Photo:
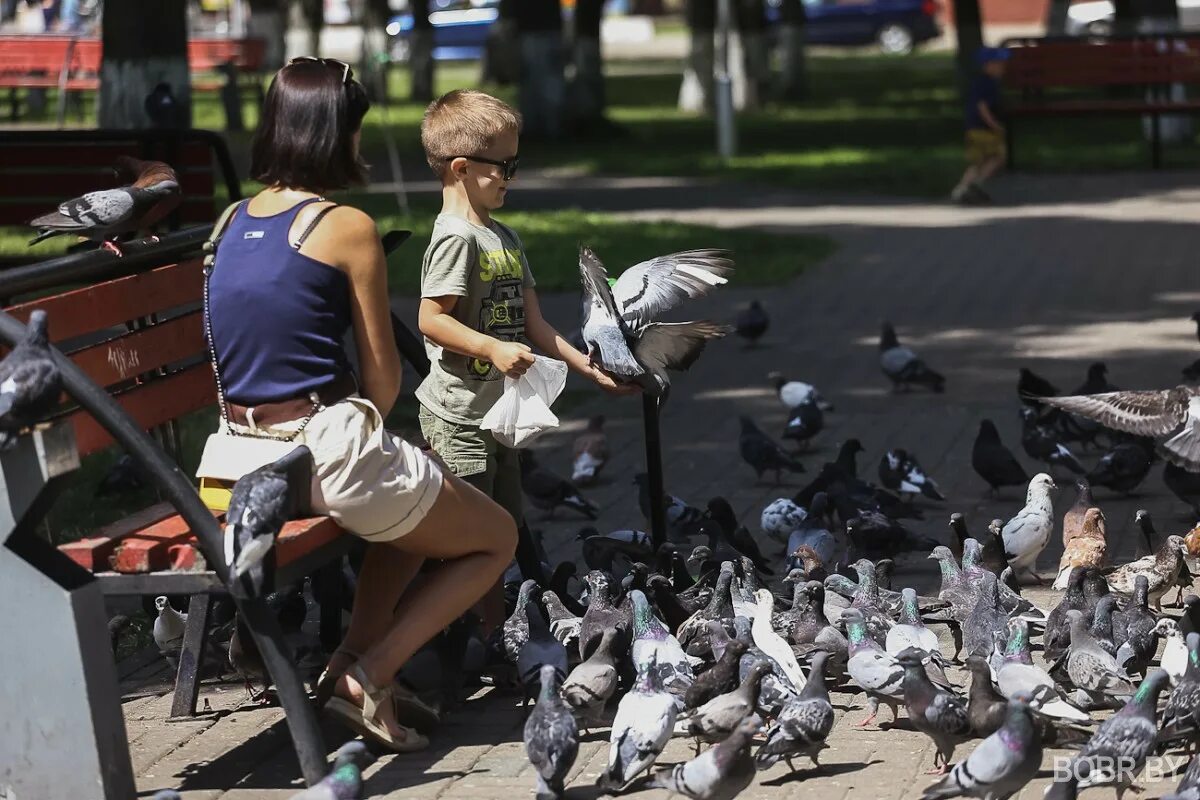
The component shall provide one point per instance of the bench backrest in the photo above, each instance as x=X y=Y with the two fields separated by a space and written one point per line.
x=1122 y=62
x=25 y=53
x=40 y=169
x=142 y=338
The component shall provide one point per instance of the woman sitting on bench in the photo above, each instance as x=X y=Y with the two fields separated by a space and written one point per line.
x=293 y=273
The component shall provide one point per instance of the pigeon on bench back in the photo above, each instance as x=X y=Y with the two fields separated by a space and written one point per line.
x=30 y=383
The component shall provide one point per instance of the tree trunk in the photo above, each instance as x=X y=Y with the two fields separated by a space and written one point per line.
x=792 y=79
x=1124 y=16
x=268 y=21
x=1056 y=17
x=542 y=90
x=968 y=24
x=372 y=72
x=420 y=52
x=750 y=18
x=314 y=20
x=145 y=44
x=587 y=88
x=696 y=91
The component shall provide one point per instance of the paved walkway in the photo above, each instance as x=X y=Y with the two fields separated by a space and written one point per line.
x=1085 y=268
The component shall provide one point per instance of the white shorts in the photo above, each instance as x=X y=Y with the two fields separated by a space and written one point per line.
x=372 y=482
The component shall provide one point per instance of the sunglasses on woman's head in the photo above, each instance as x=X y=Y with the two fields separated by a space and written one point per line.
x=347 y=72
x=508 y=167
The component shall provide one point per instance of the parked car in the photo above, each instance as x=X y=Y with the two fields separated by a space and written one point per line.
x=897 y=26
x=1095 y=18
x=460 y=29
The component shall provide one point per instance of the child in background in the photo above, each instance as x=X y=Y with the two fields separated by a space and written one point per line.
x=986 y=152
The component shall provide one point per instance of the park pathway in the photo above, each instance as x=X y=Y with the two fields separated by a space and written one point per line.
x=1084 y=268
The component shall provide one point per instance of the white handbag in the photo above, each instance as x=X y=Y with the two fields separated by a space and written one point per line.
x=228 y=455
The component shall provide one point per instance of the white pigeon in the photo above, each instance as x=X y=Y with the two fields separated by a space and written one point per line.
x=795 y=393
x=169 y=626
x=1175 y=652
x=1026 y=534
x=771 y=643
x=640 y=730
x=781 y=517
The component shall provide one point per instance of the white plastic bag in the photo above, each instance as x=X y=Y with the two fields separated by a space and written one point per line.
x=523 y=412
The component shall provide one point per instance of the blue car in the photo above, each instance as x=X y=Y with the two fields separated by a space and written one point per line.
x=460 y=29
x=897 y=26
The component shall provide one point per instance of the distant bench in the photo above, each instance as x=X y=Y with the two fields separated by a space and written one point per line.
x=72 y=63
x=1060 y=76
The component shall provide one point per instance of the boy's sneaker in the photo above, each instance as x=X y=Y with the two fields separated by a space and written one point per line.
x=978 y=196
x=959 y=195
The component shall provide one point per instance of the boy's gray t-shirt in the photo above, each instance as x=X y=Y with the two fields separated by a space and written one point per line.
x=487 y=269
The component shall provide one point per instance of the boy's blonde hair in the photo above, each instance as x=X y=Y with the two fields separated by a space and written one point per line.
x=464 y=122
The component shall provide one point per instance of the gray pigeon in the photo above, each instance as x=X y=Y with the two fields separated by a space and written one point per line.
x=262 y=501
x=720 y=716
x=641 y=729
x=515 y=631
x=803 y=724
x=593 y=682
x=1026 y=534
x=619 y=323
x=540 y=650
x=1117 y=750
x=902 y=366
x=601 y=614
x=105 y=214
x=1000 y=766
x=344 y=781
x=935 y=712
x=986 y=619
x=1189 y=785
x=167 y=794
x=30 y=383
x=721 y=773
x=1089 y=666
x=763 y=453
x=1018 y=676
x=1181 y=714
x=878 y=673
x=654 y=644
x=551 y=737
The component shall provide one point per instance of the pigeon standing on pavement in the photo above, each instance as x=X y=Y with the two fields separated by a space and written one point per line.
x=1088 y=665
x=900 y=471
x=1031 y=386
x=640 y=730
x=1000 y=766
x=752 y=322
x=593 y=682
x=591 y=452
x=1123 y=468
x=1088 y=549
x=993 y=461
x=803 y=724
x=547 y=491
x=344 y=781
x=105 y=214
x=804 y=422
x=1026 y=534
x=764 y=454
x=168 y=631
x=902 y=366
x=721 y=773
x=1161 y=570
x=878 y=673
x=30 y=383
x=938 y=714
x=262 y=501
x=1041 y=443
x=794 y=393
x=619 y=326
x=551 y=737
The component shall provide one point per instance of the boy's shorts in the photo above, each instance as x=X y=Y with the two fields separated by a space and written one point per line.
x=984 y=144
x=474 y=455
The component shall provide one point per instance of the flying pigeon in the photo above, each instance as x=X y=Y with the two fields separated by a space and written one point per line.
x=762 y=453
x=262 y=501
x=993 y=461
x=717 y=774
x=619 y=322
x=591 y=452
x=902 y=366
x=803 y=724
x=900 y=471
x=344 y=781
x=551 y=737
x=105 y=214
x=640 y=730
x=1041 y=443
x=752 y=322
x=30 y=383
x=547 y=491
x=1000 y=766
x=1026 y=534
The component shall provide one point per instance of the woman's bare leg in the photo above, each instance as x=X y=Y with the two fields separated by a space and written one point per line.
x=386 y=573
x=475 y=539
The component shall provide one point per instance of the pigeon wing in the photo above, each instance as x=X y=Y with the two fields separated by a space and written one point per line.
x=1139 y=413
x=102 y=209
x=595 y=282
x=647 y=290
x=675 y=345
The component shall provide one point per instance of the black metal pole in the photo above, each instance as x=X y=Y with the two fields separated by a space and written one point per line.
x=654 y=471
x=178 y=490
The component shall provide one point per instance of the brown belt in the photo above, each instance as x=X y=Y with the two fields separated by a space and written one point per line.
x=296 y=408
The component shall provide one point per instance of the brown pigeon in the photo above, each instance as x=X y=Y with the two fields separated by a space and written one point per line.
x=1087 y=549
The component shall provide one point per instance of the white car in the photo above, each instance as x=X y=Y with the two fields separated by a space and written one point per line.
x=1096 y=16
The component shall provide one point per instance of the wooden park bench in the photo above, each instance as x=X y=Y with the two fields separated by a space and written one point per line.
x=40 y=169
x=140 y=336
x=1120 y=76
x=72 y=63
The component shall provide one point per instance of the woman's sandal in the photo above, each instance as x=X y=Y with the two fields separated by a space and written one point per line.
x=410 y=709
x=365 y=720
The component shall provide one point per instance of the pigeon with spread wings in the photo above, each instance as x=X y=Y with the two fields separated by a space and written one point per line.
x=619 y=327
x=1174 y=412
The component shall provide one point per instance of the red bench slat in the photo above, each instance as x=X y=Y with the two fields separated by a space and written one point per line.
x=139 y=352
x=92 y=553
x=148 y=549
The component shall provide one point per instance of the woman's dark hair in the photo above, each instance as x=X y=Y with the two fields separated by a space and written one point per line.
x=306 y=136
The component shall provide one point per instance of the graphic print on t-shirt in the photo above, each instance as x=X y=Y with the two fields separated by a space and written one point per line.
x=502 y=312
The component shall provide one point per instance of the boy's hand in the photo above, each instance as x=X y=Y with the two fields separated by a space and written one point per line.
x=511 y=358
x=612 y=386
